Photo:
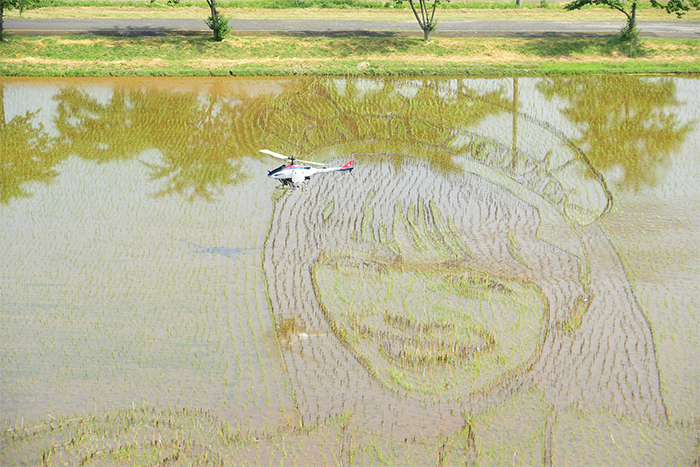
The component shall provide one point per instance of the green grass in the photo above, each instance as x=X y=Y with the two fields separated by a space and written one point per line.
x=253 y=56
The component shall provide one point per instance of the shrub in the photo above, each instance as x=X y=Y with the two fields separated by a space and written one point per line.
x=220 y=25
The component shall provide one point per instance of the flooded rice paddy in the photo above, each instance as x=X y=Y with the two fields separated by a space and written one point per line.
x=509 y=276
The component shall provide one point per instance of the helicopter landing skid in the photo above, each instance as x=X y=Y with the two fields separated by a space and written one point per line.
x=291 y=190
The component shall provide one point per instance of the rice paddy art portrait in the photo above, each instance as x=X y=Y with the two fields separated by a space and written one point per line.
x=507 y=276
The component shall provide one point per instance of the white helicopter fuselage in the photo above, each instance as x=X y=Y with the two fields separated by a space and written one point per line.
x=297 y=174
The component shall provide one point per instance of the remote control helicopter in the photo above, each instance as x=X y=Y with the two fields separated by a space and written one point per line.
x=295 y=172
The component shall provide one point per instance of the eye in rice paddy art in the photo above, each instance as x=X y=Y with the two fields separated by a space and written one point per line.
x=461 y=297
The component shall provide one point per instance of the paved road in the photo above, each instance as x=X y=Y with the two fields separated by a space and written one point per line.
x=338 y=28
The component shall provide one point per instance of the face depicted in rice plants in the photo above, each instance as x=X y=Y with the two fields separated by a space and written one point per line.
x=417 y=293
x=453 y=276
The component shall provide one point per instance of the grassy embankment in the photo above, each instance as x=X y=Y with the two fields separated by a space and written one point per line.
x=245 y=55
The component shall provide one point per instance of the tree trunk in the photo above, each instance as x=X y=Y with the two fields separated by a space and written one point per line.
x=424 y=21
x=212 y=7
x=632 y=32
x=214 y=19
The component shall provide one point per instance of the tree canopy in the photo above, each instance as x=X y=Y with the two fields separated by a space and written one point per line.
x=629 y=9
x=20 y=5
x=679 y=7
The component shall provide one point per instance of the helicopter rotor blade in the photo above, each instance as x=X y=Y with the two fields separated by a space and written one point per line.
x=288 y=158
x=275 y=154
x=309 y=162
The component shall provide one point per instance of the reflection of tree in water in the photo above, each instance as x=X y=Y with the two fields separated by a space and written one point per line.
x=25 y=154
x=625 y=122
x=420 y=112
x=199 y=154
x=594 y=349
x=201 y=137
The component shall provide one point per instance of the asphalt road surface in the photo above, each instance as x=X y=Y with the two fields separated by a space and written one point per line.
x=346 y=28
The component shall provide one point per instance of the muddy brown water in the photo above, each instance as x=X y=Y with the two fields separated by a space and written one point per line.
x=508 y=276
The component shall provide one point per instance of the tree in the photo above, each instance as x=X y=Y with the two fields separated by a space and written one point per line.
x=21 y=5
x=679 y=7
x=217 y=22
x=629 y=32
x=426 y=18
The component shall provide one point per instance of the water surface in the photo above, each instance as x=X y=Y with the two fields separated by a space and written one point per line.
x=509 y=276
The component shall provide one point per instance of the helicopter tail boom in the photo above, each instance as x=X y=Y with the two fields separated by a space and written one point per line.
x=346 y=168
